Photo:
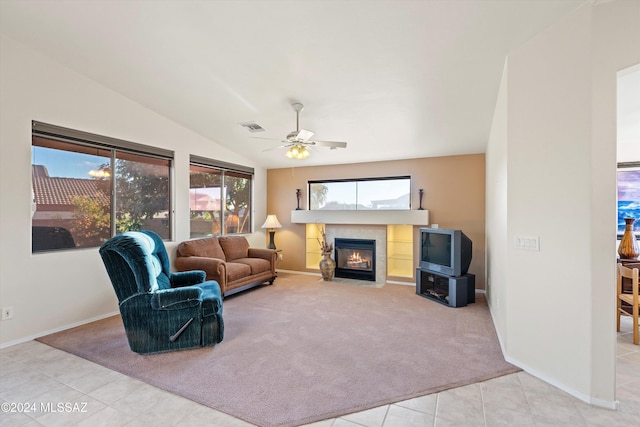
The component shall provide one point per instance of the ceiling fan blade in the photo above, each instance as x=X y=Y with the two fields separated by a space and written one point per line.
x=332 y=144
x=301 y=135
x=289 y=144
x=304 y=135
x=268 y=139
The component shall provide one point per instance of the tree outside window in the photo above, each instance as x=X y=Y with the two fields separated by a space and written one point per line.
x=209 y=186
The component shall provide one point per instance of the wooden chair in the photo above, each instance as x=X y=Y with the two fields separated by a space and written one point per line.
x=632 y=299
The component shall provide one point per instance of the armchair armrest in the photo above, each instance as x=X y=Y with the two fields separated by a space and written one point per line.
x=176 y=299
x=186 y=278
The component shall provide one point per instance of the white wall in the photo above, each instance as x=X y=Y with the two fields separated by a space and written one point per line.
x=53 y=290
x=628 y=105
x=549 y=113
x=560 y=165
x=496 y=208
x=615 y=46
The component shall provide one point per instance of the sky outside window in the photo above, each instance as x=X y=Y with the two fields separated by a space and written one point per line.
x=65 y=164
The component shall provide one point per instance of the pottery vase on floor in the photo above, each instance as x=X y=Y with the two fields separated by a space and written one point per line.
x=628 y=248
x=327 y=266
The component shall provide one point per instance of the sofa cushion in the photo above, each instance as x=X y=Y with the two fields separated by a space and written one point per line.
x=208 y=247
x=234 y=247
x=257 y=265
x=236 y=270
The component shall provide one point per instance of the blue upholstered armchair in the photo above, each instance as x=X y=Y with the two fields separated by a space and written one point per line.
x=161 y=311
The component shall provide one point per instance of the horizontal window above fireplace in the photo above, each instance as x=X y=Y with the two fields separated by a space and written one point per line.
x=390 y=193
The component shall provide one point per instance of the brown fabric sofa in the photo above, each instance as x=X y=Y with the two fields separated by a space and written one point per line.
x=229 y=261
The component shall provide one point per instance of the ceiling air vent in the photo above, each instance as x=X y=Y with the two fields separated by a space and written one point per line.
x=252 y=127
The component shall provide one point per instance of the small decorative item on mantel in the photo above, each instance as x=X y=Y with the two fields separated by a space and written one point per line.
x=327 y=264
x=421 y=194
x=628 y=248
x=298 y=195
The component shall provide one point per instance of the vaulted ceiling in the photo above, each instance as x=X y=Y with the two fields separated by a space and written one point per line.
x=395 y=79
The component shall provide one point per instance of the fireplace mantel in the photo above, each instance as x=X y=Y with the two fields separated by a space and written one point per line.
x=377 y=217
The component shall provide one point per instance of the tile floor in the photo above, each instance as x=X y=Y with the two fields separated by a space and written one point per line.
x=34 y=375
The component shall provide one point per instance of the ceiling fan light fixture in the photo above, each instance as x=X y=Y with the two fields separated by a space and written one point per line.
x=298 y=152
x=298 y=140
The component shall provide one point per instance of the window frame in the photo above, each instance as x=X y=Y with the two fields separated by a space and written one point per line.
x=356 y=181
x=622 y=167
x=117 y=149
x=224 y=168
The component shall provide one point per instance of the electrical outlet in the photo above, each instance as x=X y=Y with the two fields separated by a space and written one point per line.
x=7 y=313
x=280 y=257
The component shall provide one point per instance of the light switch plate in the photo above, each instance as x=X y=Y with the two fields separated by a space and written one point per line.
x=527 y=243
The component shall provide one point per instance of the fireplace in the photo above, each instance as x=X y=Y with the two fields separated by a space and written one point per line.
x=355 y=259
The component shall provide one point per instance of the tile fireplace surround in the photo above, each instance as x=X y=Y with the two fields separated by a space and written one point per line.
x=374 y=232
x=366 y=224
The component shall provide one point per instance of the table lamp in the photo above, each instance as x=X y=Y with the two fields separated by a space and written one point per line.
x=271 y=223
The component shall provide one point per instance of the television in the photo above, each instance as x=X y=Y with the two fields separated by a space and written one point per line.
x=447 y=252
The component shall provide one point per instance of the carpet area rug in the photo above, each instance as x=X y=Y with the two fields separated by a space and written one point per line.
x=303 y=350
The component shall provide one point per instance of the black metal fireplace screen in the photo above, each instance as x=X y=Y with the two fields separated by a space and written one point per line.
x=355 y=259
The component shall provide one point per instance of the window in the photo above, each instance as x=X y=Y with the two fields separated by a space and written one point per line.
x=393 y=193
x=210 y=183
x=628 y=195
x=87 y=188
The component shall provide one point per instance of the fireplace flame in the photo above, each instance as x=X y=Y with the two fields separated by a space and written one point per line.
x=356 y=261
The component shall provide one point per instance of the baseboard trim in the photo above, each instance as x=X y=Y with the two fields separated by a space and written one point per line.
x=493 y=319
x=58 y=329
x=607 y=404
x=397 y=282
x=305 y=273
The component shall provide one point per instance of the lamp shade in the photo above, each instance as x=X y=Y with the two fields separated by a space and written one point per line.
x=272 y=222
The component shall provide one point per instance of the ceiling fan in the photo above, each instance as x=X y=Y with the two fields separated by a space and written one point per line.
x=298 y=140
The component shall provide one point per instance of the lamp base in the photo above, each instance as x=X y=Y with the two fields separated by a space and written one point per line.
x=271 y=245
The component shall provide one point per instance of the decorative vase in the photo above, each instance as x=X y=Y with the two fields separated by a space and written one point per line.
x=327 y=266
x=628 y=248
x=421 y=194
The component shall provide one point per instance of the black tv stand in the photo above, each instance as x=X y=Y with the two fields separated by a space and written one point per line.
x=448 y=290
